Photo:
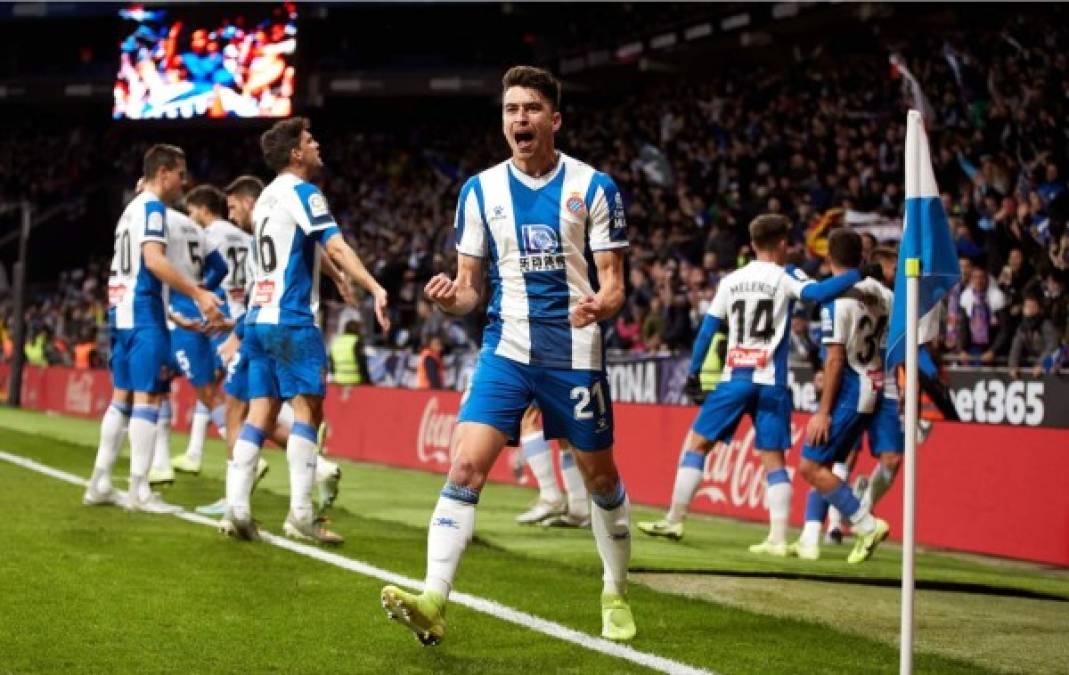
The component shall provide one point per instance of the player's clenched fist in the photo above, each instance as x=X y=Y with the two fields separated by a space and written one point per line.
x=441 y=290
x=586 y=311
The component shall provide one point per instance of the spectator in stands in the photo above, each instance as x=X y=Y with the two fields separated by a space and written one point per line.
x=85 y=351
x=803 y=351
x=430 y=371
x=348 y=365
x=1034 y=341
x=1014 y=277
x=953 y=333
x=983 y=318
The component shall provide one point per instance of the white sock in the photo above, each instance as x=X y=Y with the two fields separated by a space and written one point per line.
x=688 y=478
x=241 y=472
x=161 y=454
x=880 y=482
x=778 y=499
x=862 y=522
x=610 y=520
x=142 y=445
x=218 y=415
x=540 y=459
x=810 y=533
x=835 y=517
x=452 y=525
x=301 y=455
x=112 y=426
x=578 y=497
x=198 y=429
x=286 y=415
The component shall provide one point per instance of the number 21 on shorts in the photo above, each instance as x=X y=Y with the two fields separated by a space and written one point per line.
x=583 y=396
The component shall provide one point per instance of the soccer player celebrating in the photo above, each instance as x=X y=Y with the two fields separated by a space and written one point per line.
x=854 y=325
x=283 y=345
x=532 y=221
x=140 y=343
x=756 y=301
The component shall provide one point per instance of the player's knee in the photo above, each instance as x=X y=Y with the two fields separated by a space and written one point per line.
x=466 y=473
x=809 y=469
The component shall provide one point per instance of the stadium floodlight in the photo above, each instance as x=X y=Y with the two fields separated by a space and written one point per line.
x=784 y=10
x=664 y=41
x=735 y=21
x=698 y=31
x=629 y=51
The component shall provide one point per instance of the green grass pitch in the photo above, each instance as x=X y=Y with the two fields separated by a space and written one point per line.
x=101 y=590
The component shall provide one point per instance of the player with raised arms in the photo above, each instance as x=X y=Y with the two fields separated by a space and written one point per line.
x=544 y=227
x=283 y=344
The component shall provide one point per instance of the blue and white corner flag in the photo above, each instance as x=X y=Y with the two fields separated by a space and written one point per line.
x=926 y=237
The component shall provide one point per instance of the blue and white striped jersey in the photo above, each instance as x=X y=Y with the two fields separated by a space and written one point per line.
x=291 y=219
x=187 y=249
x=538 y=236
x=135 y=296
x=857 y=320
x=233 y=244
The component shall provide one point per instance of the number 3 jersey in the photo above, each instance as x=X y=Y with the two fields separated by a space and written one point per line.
x=857 y=320
x=290 y=220
x=135 y=295
x=756 y=302
x=538 y=236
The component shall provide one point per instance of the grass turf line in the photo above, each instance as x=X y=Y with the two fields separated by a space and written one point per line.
x=153 y=555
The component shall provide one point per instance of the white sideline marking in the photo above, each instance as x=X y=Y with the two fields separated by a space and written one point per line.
x=476 y=603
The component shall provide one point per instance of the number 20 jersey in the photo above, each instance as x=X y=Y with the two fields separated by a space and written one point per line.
x=135 y=295
x=756 y=302
x=290 y=220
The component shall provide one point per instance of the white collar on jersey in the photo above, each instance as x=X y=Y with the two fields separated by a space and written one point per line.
x=539 y=182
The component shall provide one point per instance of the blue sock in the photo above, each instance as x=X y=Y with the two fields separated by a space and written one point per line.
x=842 y=498
x=816 y=508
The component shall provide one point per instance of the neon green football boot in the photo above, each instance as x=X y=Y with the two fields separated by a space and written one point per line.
x=617 y=622
x=866 y=543
x=662 y=528
x=423 y=614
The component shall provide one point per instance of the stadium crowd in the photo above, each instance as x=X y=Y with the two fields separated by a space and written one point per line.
x=696 y=160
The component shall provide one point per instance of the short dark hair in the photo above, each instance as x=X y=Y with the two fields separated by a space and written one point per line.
x=844 y=247
x=161 y=156
x=278 y=142
x=538 y=79
x=881 y=253
x=245 y=186
x=767 y=229
x=208 y=196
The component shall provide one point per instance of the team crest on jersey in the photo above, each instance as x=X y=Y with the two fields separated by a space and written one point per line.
x=155 y=222
x=317 y=204
x=540 y=239
x=575 y=205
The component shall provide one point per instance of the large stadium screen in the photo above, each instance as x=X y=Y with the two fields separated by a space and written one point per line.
x=206 y=61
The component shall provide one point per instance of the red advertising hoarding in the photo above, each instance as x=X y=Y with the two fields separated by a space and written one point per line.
x=977 y=485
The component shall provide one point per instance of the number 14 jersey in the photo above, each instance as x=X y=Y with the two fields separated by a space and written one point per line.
x=756 y=302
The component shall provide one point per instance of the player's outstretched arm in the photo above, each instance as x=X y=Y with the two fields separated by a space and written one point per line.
x=610 y=296
x=348 y=262
x=829 y=289
x=156 y=261
x=461 y=295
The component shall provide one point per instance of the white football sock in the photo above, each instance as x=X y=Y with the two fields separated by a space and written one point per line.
x=142 y=446
x=835 y=517
x=286 y=415
x=688 y=478
x=862 y=522
x=578 y=497
x=301 y=455
x=112 y=426
x=198 y=429
x=810 y=533
x=540 y=459
x=241 y=472
x=452 y=525
x=219 y=419
x=880 y=482
x=610 y=520
x=778 y=499
x=161 y=454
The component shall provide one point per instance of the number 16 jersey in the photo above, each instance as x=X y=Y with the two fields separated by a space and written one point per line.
x=756 y=302
x=290 y=220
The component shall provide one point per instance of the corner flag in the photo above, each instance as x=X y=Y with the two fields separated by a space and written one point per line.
x=926 y=238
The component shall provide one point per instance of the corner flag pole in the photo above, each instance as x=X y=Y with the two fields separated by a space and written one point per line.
x=909 y=498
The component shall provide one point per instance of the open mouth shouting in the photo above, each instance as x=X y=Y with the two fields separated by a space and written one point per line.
x=524 y=139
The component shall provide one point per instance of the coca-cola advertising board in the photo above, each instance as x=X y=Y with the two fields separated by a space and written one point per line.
x=983 y=488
